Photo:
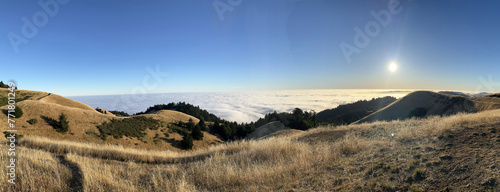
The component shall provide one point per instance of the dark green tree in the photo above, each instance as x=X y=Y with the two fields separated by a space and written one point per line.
x=302 y=120
x=202 y=125
x=63 y=125
x=187 y=142
x=2 y=85
x=190 y=125
x=196 y=133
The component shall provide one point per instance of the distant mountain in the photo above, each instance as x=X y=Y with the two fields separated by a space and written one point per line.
x=426 y=103
x=349 y=113
x=481 y=94
x=454 y=93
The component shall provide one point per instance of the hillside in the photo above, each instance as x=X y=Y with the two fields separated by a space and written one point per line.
x=426 y=103
x=83 y=122
x=267 y=129
x=452 y=153
x=349 y=113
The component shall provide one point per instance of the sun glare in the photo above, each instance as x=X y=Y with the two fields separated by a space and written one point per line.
x=393 y=67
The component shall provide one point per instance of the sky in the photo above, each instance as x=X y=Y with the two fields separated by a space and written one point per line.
x=97 y=47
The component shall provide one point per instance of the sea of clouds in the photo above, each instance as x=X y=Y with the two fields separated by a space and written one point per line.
x=241 y=106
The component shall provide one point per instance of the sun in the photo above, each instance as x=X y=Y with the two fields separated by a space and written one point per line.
x=393 y=67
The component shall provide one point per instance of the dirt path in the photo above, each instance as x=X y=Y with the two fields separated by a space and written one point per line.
x=77 y=174
x=43 y=97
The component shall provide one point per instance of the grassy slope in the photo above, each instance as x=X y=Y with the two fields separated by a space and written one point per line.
x=457 y=152
x=434 y=103
x=83 y=120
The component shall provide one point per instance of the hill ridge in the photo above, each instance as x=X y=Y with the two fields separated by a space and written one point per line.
x=428 y=103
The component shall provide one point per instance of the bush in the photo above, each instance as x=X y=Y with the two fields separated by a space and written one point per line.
x=418 y=112
x=120 y=113
x=196 y=133
x=18 y=112
x=3 y=85
x=302 y=120
x=190 y=125
x=130 y=127
x=187 y=142
x=63 y=124
x=17 y=136
x=202 y=125
x=33 y=121
x=100 y=110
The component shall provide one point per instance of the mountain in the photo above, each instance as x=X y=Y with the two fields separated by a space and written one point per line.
x=348 y=113
x=84 y=121
x=426 y=103
x=267 y=129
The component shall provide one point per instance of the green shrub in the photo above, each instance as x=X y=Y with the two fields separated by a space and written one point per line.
x=120 y=113
x=179 y=128
x=190 y=125
x=33 y=121
x=130 y=127
x=17 y=136
x=63 y=124
x=100 y=110
x=3 y=85
x=196 y=133
x=187 y=142
x=18 y=112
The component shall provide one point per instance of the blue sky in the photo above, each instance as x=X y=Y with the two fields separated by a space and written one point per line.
x=98 y=47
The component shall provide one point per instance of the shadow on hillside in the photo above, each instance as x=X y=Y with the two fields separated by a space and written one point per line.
x=6 y=112
x=172 y=142
x=50 y=121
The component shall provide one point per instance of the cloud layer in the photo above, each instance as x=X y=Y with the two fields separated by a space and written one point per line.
x=241 y=106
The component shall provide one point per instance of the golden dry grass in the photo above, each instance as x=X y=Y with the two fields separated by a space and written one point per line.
x=84 y=119
x=120 y=153
x=36 y=171
x=80 y=121
x=24 y=94
x=171 y=116
x=366 y=157
x=60 y=100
